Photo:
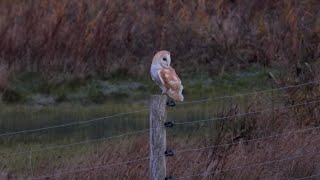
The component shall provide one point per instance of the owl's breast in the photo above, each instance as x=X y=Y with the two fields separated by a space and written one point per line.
x=154 y=71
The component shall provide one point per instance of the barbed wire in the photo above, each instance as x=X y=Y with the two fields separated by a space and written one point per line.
x=243 y=114
x=250 y=93
x=71 y=124
x=250 y=165
x=92 y=168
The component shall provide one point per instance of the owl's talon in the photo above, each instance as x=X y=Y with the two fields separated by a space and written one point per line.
x=171 y=103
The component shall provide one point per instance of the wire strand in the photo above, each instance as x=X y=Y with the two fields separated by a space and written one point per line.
x=247 y=141
x=146 y=158
x=308 y=177
x=77 y=143
x=141 y=131
x=92 y=168
x=250 y=165
x=250 y=93
x=127 y=113
x=70 y=124
x=185 y=150
x=243 y=114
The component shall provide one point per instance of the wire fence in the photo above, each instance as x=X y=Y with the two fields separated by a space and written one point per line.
x=251 y=165
x=184 y=150
x=78 y=143
x=147 y=130
x=146 y=109
x=93 y=168
x=199 y=149
x=71 y=124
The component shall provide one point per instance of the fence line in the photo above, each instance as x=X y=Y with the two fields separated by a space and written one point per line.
x=92 y=168
x=249 y=113
x=178 y=151
x=251 y=93
x=247 y=141
x=77 y=143
x=179 y=123
x=145 y=130
x=193 y=175
x=251 y=165
x=70 y=124
x=146 y=109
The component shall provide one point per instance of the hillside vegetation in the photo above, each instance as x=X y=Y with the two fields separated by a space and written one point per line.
x=95 y=38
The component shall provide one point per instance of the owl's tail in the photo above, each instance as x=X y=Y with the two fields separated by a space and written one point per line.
x=175 y=95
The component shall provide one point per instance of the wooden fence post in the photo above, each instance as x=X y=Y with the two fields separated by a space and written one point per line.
x=158 y=115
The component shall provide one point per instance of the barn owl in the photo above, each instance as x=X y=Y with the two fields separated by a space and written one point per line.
x=165 y=76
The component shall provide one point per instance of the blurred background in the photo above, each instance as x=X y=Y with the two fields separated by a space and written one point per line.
x=73 y=61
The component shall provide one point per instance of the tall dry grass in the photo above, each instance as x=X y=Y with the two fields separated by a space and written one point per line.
x=94 y=38
x=5 y=75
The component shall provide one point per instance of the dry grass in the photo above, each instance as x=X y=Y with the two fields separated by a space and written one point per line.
x=5 y=75
x=82 y=38
x=204 y=161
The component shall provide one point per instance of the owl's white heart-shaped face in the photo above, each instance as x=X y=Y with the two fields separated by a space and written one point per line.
x=162 y=58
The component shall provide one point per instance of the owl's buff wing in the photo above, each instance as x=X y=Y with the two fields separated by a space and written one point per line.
x=172 y=82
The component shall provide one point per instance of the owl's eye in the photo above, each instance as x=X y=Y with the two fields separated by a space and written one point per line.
x=165 y=59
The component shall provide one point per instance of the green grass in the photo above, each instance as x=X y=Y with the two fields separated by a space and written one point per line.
x=34 y=88
x=17 y=118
